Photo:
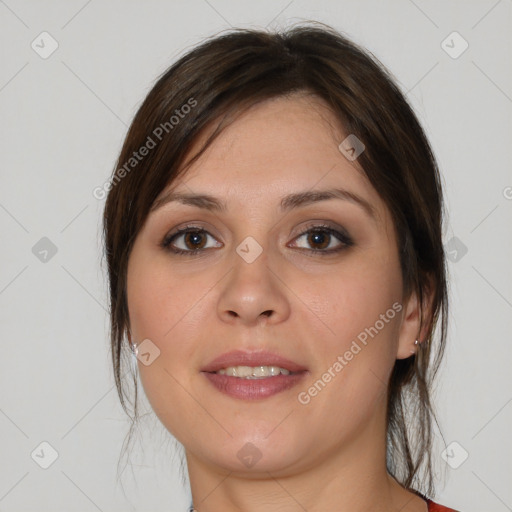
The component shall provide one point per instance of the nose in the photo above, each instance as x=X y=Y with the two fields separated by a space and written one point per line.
x=253 y=294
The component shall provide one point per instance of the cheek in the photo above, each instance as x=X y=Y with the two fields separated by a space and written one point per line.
x=160 y=302
x=351 y=298
x=354 y=329
x=165 y=309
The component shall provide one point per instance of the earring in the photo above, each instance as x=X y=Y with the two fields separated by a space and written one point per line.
x=416 y=342
x=133 y=349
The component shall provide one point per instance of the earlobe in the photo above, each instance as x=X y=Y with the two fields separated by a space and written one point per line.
x=412 y=334
x=416 y=343
x=130 y=344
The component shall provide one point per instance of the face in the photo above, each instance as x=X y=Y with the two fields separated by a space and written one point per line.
x=313 y=279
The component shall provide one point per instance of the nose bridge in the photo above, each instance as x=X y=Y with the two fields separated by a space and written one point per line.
x=252 y=289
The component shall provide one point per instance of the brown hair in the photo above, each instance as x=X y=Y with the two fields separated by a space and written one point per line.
x=231 y=72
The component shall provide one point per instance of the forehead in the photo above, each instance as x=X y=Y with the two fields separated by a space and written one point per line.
x=276 y=147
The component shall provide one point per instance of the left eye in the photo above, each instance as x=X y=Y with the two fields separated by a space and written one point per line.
x=325 y=239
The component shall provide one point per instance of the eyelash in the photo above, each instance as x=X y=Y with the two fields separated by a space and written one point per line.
x=345 y=240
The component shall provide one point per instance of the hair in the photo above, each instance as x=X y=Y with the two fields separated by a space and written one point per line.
x=223 y=77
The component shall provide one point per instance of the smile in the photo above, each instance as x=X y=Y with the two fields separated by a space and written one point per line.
x=253 y=375
x=253 y=372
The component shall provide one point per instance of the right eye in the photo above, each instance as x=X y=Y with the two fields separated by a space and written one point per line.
x=189 y=240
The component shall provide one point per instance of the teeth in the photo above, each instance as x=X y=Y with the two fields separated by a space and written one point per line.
x=253 y=372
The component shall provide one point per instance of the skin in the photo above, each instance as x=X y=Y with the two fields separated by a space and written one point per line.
x=330 y=453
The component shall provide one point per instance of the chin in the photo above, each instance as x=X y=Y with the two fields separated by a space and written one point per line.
x=252 y=455
x=253 y=462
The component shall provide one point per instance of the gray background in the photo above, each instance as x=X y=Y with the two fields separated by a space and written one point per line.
x=63 y=119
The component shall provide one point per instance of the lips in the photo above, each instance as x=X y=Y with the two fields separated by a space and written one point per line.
x=253 y=389
x=262 y=358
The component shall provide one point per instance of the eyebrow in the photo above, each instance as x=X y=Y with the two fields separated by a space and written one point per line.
x=289 y=202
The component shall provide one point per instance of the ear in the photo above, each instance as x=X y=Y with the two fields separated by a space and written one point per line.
x=410 y=329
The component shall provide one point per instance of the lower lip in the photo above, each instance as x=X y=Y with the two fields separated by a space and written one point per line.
x=253 y=389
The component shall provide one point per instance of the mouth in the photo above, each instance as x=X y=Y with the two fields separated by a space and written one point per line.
x=253 y=375
x=254 y=372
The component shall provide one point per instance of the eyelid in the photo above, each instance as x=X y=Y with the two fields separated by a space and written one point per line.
x=320 y=224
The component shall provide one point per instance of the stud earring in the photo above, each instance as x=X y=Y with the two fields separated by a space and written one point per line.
x=133 y=350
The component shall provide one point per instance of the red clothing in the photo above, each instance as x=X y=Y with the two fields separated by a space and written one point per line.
x=435 y=507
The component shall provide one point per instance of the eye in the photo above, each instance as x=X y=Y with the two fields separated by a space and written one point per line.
x=324 y=240
x=321 y=239
x=189 y=240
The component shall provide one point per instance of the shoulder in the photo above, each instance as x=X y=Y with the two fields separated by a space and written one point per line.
x=435 y=507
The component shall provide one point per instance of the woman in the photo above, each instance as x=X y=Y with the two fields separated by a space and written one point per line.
x=273 y=235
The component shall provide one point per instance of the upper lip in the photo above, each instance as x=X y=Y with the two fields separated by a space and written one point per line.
x=260 y=358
